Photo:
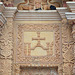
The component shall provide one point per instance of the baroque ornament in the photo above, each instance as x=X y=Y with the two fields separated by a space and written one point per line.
x=36 y=4
x=38 y=28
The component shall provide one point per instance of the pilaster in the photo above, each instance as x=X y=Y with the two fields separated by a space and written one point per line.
x=2 y=25
x=67 y=48
x=71 y=22
x=6 y=43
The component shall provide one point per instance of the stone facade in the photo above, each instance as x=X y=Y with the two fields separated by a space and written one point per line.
x=24 y=35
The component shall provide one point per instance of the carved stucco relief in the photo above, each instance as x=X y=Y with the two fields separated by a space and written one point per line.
x=67 y=48
x=72 y=24
x=42 y=60
x=6 y=48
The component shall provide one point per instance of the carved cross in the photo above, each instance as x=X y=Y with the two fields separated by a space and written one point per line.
x=38 y=38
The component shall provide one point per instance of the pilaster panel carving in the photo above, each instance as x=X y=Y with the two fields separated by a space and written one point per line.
x=72 y=23
x=6 y=40
x=67 y=48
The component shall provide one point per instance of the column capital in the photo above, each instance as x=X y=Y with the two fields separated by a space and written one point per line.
x=71 y=5
x=9 y=12
x=70 y=17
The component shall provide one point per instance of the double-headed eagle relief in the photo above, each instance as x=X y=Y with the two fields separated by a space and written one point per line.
x=37 y=5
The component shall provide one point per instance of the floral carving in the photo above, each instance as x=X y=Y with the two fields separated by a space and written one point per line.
x=67 y=48
x=6 y=46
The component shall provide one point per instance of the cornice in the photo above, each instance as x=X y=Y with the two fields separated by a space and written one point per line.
x=70 y=17
x=41 y=15
x=71 y=21
x=71 y=5
x=9 y=11
x=61 y=11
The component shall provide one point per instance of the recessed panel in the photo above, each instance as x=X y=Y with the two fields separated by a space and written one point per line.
x=39 y=71
x=39 y=43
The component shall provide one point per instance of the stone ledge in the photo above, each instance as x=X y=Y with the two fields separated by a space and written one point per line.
x=71 y=5
x=41 y=15
x=9 y=11
x=62 y=11
x=70 y=15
